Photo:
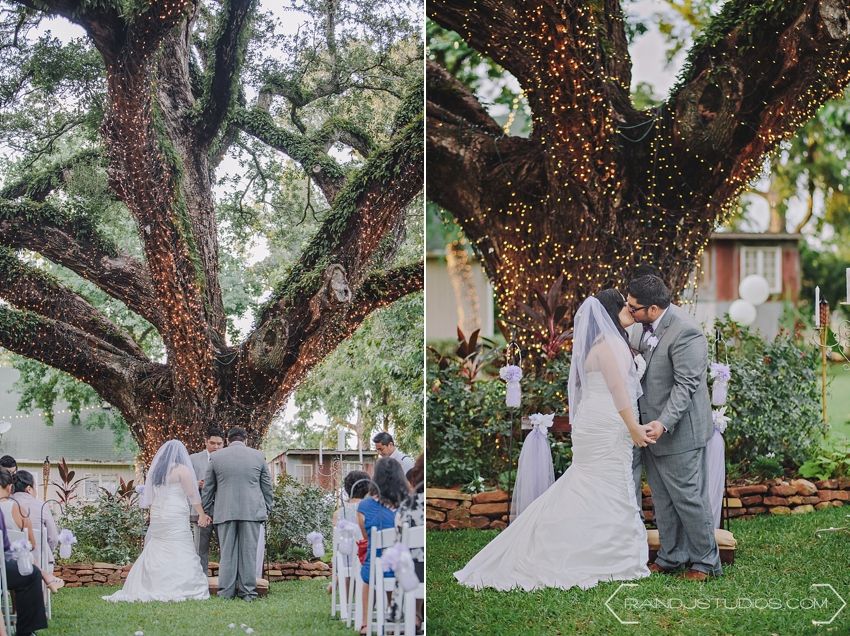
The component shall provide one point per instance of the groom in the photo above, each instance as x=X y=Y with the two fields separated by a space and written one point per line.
x=238 y=495
x=675 y=407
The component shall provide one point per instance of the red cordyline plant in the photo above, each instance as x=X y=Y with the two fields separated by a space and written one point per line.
x=550 y=316
x=67 y=488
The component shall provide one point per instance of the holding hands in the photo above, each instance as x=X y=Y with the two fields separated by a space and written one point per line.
x=642 y=436
x=204 y=520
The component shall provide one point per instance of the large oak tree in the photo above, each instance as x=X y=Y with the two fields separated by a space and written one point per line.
x=171 y=88
x=600 y=186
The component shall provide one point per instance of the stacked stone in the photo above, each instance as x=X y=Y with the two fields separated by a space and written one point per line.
x=776 y=497
x=297 y=570
x=449 y=509
x=89 y=574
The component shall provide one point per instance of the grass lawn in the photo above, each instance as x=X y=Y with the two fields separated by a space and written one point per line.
x=778 y=559
x=838 y=402
x=292 y=607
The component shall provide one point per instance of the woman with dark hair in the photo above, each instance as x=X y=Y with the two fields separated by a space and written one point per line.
x=41 y=519
x=411 y=513
x=356 y=487
x=386 y=492
x=586 y=527
x=27 y=587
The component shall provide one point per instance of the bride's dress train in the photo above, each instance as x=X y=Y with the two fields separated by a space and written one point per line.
x=168 y=568
x=586 y=527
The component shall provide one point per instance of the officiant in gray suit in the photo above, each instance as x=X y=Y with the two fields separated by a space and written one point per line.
x=213 y=441
x=675 y=406
x=238 y=495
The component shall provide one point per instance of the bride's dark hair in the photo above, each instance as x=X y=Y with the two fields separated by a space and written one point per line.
x=613 y=302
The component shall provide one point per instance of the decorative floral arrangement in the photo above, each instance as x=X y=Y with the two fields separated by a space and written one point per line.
x=398 y=558
x=316 y=540
x=542 y=422
x=720 y=419
x=346 y=544
x=721 y=374
x=512 y=374
x=22 y=549
x=66 y=543
x=652 y=342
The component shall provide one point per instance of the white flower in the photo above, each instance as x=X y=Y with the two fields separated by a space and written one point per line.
x=652 y=341
x=720 y=419
x=541 y=421
x=640 y=365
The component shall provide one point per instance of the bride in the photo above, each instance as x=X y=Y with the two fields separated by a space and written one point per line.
x=586 y=527
x=168 y=569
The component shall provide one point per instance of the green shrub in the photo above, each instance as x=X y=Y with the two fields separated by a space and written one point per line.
x=110 y=529
x=828 y=462
x=774 y=397
x=469 y=426
x=299 y=509
x=766 y=467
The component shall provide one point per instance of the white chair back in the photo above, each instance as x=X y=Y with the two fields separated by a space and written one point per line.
x=378 y=583
x=413 y=537
x=5 y=600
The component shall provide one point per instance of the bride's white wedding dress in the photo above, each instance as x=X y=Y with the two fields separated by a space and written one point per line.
x=168 y=568
x=586 y=527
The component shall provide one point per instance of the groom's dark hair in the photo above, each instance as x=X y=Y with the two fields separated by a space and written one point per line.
x=383 y=438
x=237 y=434
x=650 y=290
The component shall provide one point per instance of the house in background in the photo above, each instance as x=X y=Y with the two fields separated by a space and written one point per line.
x=303 y=464
x=459 y=293
x=93 y=454
x=730 y=257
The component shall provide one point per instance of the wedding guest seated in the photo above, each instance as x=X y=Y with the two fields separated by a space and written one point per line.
x=8 y=462
x=39 y=515
x=387 y=490
x=29 y=601
x=15 y=518
x=356 y=487
x=411 y=513
x=385 y=447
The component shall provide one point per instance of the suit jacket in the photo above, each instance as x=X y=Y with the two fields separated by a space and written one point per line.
x=675 y=385
x=200 y=463
x=237 y=485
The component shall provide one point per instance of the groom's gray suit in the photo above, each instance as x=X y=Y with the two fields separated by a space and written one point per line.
x=200 y=463
x=238 y=494
x=675 y=392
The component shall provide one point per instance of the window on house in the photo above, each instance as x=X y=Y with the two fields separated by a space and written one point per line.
x=304 y=473
x=764 y=261
x=347 y=467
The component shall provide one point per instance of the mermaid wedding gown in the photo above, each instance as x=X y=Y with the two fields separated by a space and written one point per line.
x=168 y=568
x=586 y=527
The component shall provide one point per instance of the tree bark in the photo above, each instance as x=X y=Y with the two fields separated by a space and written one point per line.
x=600 y=187
x=167 y=123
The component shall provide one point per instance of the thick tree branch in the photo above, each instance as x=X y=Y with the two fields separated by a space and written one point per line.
x=37 y=185
x=309 y=154
x=76 y=244
x=59 y=345
x=756 y=75
x=220 y=88
x=28 y=288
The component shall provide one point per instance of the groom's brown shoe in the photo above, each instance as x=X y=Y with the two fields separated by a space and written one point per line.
x=657 y=569
x=694 y=575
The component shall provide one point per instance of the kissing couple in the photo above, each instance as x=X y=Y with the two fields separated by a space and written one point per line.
x=587 y=526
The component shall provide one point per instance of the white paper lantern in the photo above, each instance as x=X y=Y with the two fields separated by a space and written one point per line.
x=742 y=312
x=754 y=289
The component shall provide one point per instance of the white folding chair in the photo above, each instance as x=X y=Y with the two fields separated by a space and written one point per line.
x=378 y=583
x=413 y=538
x=42 y=557
x=6 y=601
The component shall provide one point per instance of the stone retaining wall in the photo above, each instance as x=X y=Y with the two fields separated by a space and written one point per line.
x=450 y=509
x=90 y=574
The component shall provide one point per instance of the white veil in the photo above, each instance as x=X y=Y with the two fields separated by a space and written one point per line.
x=171 y=464
x=598 y=346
